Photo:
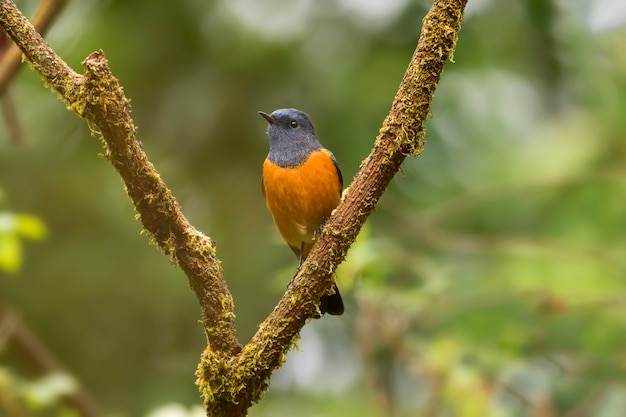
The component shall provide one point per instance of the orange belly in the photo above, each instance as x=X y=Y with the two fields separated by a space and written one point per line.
x=301 y=198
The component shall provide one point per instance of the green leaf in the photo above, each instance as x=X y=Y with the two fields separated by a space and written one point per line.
x=49 y=389
x=30 y=227
x=10 y=252
x=25 y=225
x=7 y=222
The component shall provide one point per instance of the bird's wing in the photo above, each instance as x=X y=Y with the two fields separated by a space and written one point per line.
x=338 y=170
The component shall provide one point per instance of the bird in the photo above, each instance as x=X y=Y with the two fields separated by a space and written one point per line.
x=302 y=184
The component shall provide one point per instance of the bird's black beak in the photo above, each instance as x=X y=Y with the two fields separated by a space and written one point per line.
x=268 y=117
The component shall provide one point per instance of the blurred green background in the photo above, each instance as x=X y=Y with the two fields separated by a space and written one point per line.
x=489 y=282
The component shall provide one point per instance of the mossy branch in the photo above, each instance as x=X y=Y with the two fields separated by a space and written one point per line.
x=232 y=377
x=401 y=135
x=97 y=97
x=12 y=59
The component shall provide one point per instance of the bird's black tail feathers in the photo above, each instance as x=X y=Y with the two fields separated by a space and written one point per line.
x=332 y=304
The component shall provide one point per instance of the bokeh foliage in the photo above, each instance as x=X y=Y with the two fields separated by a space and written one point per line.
x=489 y=282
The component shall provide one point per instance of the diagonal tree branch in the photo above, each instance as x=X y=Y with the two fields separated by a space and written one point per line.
x=401 y=135
x=232 y=377
x=11 y=60
x=28 y=344
x=97 y=97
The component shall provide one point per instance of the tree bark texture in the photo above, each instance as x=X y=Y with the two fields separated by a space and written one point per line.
x=231 y=377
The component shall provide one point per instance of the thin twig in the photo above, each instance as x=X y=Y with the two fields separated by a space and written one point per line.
x=38 y=355
x=12 y=120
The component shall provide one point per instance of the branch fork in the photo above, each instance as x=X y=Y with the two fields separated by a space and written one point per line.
x=231 y=377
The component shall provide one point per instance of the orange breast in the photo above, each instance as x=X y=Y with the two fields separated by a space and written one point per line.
x=300 y=198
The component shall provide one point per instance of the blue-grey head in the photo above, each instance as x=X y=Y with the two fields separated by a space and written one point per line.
x=292 y=137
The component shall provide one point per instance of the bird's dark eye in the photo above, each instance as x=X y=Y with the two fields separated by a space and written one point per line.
x=293 y=124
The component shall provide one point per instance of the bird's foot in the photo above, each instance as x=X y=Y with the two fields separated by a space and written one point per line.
x=294 y=276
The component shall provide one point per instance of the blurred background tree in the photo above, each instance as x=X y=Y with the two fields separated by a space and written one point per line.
x=490 y=281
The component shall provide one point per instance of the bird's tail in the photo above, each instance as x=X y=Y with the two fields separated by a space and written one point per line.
x=332 y=304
